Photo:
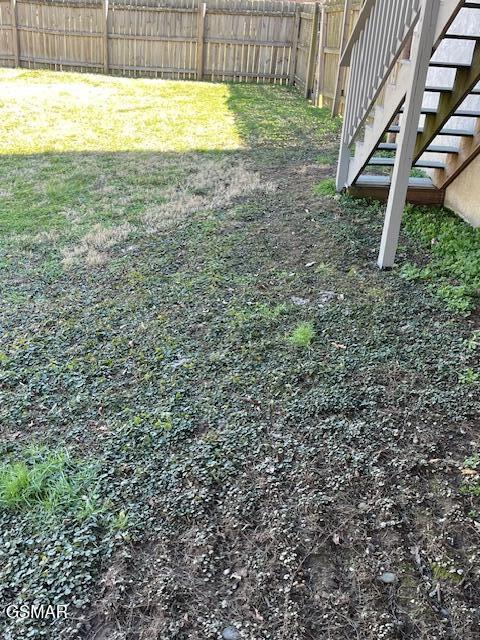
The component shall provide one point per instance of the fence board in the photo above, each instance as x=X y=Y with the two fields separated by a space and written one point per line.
x=328 y=55
x=239 y=40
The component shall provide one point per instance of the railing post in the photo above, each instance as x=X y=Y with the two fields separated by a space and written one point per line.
x=408 y=133
x=202 y=12
x=340 y=71
x=105 y=35
x=15 y=40
x=293 y=54
x=311 y=52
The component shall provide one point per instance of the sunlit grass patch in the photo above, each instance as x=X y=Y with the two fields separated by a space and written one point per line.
x=70 y=112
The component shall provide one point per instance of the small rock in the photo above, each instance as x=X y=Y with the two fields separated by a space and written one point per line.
x=326 y=296
x=300 y=302
x=388 y=578
x=230 y=633
x=179 y=363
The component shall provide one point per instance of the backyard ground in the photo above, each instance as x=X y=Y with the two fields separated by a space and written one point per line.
x=217 y=416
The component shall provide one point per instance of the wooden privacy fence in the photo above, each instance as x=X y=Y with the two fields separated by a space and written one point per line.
x=334 y=30
x=222 y=40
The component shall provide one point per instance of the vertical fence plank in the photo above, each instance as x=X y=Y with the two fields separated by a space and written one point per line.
x=340 y=71
x=311 y=53
x=201 y=14
x=293 y=54
x=15 y=40
x=318 y=97
x=105 y=34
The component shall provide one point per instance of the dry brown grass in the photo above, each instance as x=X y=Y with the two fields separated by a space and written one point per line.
x=93 y=248
x=207 y=184
x=213 y=184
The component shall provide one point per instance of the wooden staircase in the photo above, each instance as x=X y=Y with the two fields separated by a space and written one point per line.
x=408 y=124
x=454 y=155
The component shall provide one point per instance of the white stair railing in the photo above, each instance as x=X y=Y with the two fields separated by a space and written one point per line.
x=379 y=37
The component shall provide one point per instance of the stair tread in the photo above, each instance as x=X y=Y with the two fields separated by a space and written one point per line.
x=437 y=89
x=433 y=148
x=462 y=36
x=389 y=162
x=464 y=113
x=384 y=181
x=449 y=64
x=444 y=132
x=440 y=148
x=440 y=89
x=387 y=146
x=467 y=113
x=425 y=110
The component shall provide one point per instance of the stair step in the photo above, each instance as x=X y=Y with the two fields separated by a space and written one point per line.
x=384 y=181
x=467 y=133
x=449 y=64
x=421 y=164
x=462 y=36
x=466 y=113
x=433 y=148
x=440 y=148
x=425 y=110
x=387 y=146
x=438 y=89
x=462 y=133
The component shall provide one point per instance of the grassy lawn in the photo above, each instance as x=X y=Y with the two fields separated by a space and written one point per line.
x=214 y=410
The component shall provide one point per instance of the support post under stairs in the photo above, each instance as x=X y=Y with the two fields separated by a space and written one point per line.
x=420 y=58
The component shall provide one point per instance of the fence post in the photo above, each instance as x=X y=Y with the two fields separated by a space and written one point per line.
x=105 y=35
x=202 y=11
x=311 y=52
x=15 y=40
x=293 y=53
x=321 y=58
x=341 y=71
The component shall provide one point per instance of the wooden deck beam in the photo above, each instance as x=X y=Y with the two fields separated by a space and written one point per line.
x=419 y=191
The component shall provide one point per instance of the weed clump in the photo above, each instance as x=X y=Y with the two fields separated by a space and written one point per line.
x=48 y=483
x=326 y=188
x=302 y=335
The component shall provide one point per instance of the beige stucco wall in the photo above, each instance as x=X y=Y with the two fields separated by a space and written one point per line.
x=463 y=195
